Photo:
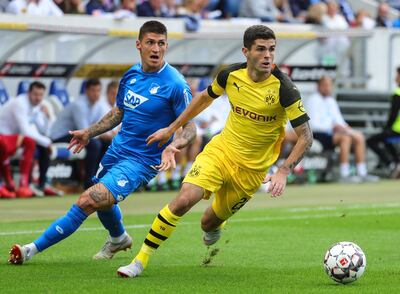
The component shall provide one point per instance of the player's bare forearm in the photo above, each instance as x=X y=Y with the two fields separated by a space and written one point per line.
x=112 y=119
x=200 y=102
x=303 y=144
x=185 y=137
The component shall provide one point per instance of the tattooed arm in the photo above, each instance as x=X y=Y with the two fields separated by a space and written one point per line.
x=80 y=138
x=182 y=138
x=304 y=142
x=112 y=119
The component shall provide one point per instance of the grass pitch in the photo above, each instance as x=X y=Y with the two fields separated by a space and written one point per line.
x=270 y=246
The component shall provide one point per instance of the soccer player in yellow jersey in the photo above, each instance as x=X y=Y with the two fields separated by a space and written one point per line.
x=234 y=163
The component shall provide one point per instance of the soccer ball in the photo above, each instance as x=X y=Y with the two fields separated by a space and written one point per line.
x=345 y=262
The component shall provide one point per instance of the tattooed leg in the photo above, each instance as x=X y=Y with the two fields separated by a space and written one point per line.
x=97 y=197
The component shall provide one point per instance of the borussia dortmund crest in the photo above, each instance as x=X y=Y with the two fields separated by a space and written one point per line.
x=195 y=171
x=300 y=106
x=270 y=99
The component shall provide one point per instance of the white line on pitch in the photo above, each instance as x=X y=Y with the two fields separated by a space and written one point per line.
x=243 y=220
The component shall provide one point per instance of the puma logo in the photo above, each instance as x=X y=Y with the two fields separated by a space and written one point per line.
x=237 y=86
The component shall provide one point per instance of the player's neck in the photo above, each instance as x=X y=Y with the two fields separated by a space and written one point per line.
x=257 y=76
x=151 y=69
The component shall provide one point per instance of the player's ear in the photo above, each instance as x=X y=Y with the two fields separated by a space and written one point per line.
x=245 y=51
x=138 y=45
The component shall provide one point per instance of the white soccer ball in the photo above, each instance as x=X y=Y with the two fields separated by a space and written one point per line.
x=345 y=262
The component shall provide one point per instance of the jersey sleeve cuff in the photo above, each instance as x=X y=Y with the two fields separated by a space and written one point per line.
x=300 y=120
x=211 y=93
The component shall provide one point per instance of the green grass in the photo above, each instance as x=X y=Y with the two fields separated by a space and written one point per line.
x=270 y=246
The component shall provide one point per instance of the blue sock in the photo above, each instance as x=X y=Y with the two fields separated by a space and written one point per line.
x=61 y=228
x=112 y=220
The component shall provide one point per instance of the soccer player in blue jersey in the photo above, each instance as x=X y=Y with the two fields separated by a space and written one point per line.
x=151 y=95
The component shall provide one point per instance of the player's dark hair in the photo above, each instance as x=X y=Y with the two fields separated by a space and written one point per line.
x=37 y=85
x=152 y=26
x=398 y=70
x=92 y=82
x=257 y=32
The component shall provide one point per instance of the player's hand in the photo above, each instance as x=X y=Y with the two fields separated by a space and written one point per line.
x=277 y=182
x=168 y=158
x=162 y=136
x=80 y=139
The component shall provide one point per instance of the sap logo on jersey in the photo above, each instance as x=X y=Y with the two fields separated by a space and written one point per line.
x=133 y=100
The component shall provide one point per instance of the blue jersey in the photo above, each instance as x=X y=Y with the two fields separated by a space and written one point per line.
x=150 y=101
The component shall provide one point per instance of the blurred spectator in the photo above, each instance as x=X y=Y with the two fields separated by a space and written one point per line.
x=262 y=9
x=284 y=8
x=333 y=20
x=383 y=18
x=300 y=8
x=315 y=13
x=387 y=153
x=127 y=8
x=191 y=12
x=99 y=7
x=153 y=8
x=107 y=105
x=364 y=20
x=34 y=7
x=72 y=7
x=347 y=11
x=3 y=5
x=77 y=115
x=331 y=130
x=17 y=129
x=333 y=50
x=394 y=4
x=171 y=7
x=226 y=8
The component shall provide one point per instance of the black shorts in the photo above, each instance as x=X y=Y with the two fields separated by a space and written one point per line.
x=325 y=139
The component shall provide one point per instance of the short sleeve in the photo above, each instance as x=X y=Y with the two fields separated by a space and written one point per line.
x=121 y=95
x=181 y=98
x=217 y=87
x=291 y=101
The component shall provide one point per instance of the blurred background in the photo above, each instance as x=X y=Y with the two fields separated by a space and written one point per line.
x=342 y=55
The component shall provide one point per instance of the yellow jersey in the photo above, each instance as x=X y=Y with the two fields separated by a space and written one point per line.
x=255 y=127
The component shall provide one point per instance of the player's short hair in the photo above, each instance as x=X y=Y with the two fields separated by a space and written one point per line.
x=91 y=83
x=152 y=26
x=398 y=70
x=37 y=85
x=112 y=84
x=257 y=32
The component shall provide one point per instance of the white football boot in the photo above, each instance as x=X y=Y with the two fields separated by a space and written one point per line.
x=19 y=254
x=210 y=238
x=109 y=249
x=131 y=270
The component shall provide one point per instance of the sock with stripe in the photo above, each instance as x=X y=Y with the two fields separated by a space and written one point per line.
x=162 y=227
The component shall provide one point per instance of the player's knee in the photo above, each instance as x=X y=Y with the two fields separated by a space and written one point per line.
x=87 y=203
x=180 y=205
x=207 y=224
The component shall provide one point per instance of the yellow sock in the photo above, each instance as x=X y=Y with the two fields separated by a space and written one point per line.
x=162 y=227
